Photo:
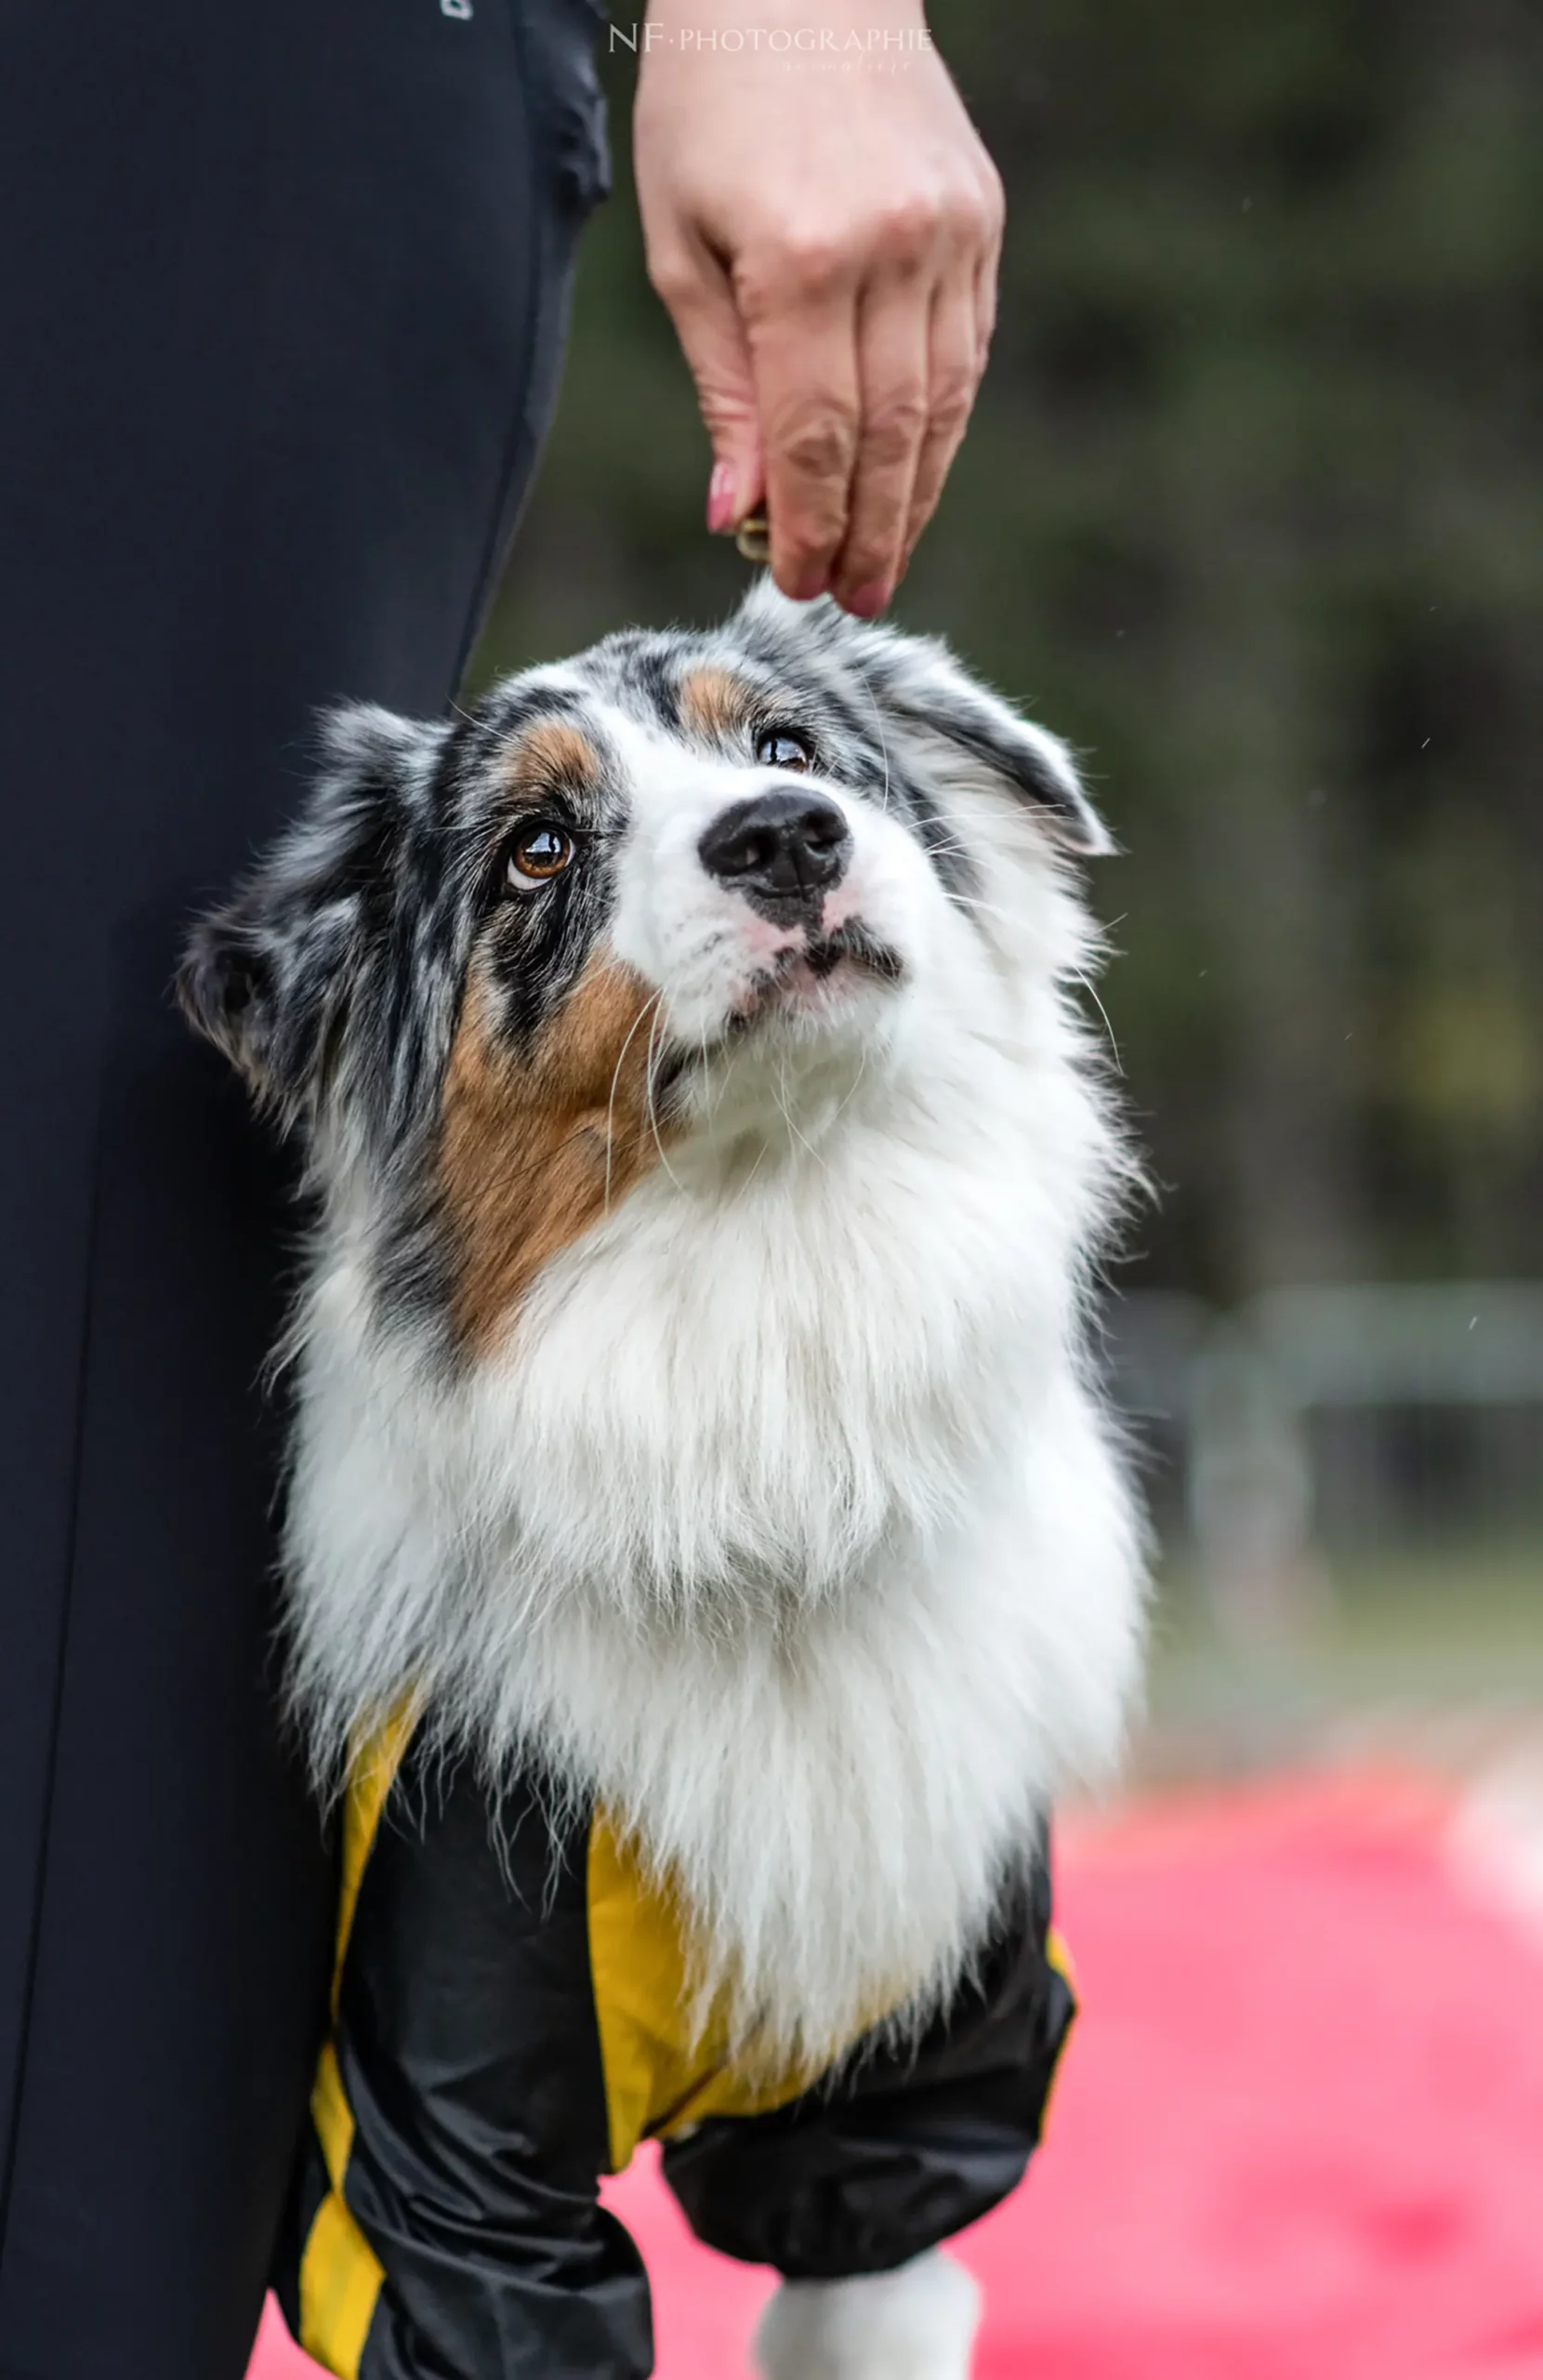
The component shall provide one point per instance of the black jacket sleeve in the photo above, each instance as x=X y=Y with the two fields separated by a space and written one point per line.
x=473 y=2125
x=899 y=2149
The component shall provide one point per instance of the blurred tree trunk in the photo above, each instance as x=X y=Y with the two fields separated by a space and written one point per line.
x=1272 y=887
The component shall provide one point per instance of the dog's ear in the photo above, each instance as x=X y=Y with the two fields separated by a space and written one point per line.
x=270 y=977
x=941 y=710
x=935 y=713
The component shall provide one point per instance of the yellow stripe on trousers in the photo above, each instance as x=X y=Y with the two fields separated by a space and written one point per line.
x=341 y=2274
x=1058 y=1957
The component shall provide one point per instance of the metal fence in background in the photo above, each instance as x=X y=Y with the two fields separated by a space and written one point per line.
x=1319 y=1427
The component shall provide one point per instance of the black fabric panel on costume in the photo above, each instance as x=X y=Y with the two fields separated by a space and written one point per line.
x=283 y=289
x=471 y=2058
x=901 y=2149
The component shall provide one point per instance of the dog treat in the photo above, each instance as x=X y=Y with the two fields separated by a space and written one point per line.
x=754 y=538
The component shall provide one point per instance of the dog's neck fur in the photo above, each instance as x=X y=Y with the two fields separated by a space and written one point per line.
x=783 y=1522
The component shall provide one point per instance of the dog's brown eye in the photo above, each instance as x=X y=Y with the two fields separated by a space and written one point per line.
x=777 y=750
x=536 y=856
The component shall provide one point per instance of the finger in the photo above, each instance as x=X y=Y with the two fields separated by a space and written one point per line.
x=699 y=298
x=953 y=378
x=984 y=303
x=988 y=270
x=804 y=355
x=893 y=372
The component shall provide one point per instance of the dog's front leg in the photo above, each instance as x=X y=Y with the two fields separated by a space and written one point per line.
x=917 y=2322
x=848 y=2190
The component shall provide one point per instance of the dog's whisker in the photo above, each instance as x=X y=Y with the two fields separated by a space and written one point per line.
x=853 y=1089
x=787 y=1118
x=649 y=1081
x=610 y=1103
x=1092 y=991
x=984 y=908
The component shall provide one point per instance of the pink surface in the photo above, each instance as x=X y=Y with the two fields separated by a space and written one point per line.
x=1298 y=2134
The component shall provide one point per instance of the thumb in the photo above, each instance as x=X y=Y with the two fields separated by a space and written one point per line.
x=712 y=338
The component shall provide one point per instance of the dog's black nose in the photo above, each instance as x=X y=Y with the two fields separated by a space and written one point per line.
x=782 y=849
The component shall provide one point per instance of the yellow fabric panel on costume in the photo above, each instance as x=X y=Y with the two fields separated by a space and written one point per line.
x=341 y=2274
x=656 y=2080
x=371 y=1777
x=1058 y=1956
x=331 y=2116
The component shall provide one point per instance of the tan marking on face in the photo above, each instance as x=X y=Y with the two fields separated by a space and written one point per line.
x=552 y=752
x=716 y=704
x=533 y=1150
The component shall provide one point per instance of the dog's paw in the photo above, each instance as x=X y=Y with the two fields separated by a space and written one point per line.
x=916 y=2324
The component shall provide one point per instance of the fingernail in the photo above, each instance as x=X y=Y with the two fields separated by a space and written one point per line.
x=810 y=583
x=721 y=498
x=868 y=600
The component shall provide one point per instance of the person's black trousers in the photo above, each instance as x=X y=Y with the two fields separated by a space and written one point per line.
x=282 y=286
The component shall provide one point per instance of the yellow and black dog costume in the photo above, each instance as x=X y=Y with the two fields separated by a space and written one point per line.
x=509 y=2021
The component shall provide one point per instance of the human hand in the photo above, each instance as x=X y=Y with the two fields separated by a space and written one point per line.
x=826 y=238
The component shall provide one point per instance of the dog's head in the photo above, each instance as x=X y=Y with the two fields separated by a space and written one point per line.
x=506 y=965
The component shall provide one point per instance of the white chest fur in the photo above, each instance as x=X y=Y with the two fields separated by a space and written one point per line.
x=784 y=1522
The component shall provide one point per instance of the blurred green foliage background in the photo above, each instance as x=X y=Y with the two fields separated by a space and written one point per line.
x=1252 y=510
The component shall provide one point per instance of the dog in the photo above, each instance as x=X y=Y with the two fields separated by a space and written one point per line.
x=708 y=1552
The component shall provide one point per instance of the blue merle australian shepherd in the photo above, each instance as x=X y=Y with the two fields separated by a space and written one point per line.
x=707 y=1558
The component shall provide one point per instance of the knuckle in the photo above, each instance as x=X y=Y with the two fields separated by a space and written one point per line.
x=967 y=230
x=967 y=234
x=809 y=545
x=873 y=541
x=947 y=429
x=973 y=210
x=816 y=259
x=895 y=430
x=812 y=529
x=672 y=279
x=909 y=226
x=991 y=203
x=953 y=398
x=804 y=262
x=867 y=559
x=817 y=445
